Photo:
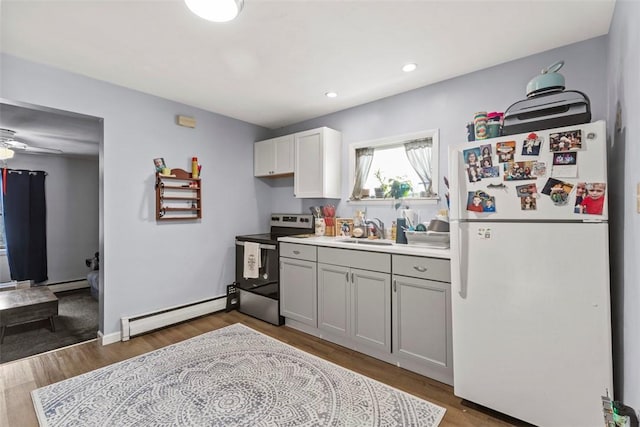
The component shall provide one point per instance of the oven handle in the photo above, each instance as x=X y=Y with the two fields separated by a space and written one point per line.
x=262 y=246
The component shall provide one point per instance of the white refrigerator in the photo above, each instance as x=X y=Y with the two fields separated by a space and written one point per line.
x=530 y=275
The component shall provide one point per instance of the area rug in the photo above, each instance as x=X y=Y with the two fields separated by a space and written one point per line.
x=77 y=321
x=233 y=376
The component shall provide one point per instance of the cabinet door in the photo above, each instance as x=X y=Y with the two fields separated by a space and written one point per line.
x=298 y=300
x=371 y=308
x=334 y=298
x=283 y=147
x=422 y=321
x=309 y=158
x=273 y=157
x=263 y=158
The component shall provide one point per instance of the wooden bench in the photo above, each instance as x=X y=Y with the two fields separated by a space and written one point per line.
x=27 y=305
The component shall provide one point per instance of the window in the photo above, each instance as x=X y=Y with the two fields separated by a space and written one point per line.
x=404 y=166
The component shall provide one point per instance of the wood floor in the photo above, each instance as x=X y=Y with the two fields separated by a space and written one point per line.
x=19 y=378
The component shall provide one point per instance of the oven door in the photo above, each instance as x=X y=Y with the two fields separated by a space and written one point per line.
x=268 y=273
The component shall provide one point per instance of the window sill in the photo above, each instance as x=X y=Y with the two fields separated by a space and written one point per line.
x=392 y=202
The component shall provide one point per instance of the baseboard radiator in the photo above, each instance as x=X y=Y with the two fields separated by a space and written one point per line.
x=69 y=285
x=142 y=323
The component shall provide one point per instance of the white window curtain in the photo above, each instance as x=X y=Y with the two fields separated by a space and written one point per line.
x=364 y=157
x=419 y=155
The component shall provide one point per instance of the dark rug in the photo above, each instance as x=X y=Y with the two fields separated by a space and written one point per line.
x=77 y=321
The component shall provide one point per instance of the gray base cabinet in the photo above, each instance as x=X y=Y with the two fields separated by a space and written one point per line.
x=298 y=284
x=355 y=304
x=422 y=316
x=396 y=308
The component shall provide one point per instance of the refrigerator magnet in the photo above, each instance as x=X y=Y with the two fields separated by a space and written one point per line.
x=479 y=201
x=531 y=146
x=517 y=171
x=491 y=172
x=486 y=155
x=528 y=203
x=539 y=169
x=474 y=173
x=472 y=157
x=565 y=141
x=527 y=190
x=506 y=151
x=558 y=191
x=591 y=202
x=565 y=164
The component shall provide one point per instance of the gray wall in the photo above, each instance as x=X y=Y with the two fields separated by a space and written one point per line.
x=448 y=106
x=623 y=77
x=71 y=189
x=149 y=265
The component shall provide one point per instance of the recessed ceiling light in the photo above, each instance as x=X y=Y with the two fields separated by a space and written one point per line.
x=407 y=68
x=216 y=11
x=331 y=94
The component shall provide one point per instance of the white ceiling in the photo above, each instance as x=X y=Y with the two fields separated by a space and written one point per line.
x=274 y=63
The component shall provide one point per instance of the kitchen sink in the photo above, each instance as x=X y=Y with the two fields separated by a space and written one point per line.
x=367 y=242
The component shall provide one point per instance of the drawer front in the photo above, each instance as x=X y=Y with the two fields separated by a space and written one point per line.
x=422 y=267
x=365 y=260
x=292 y=250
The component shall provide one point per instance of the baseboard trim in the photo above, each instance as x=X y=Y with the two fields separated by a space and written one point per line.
x=69 y=286
x=109 y=338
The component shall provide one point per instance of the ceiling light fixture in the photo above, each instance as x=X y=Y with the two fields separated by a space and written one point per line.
x=215 y=10
x=6 y=153
x=331 y=94
x=407 y=68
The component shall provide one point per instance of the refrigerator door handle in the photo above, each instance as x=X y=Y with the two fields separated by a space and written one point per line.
x=458 y=261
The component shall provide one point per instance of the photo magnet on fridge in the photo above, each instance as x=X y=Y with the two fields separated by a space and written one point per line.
x=565 y=164
x=539 y=169
x=491 y=172
x=591 y=203
x=506 y=151
x=479 y=201
x=526 y=190
x=558 y=191
x=472 y=157
x=528 y=203
x=486 y=156
x=474 y=173
x=531 y=145
x=566 y=141
x=517 y=171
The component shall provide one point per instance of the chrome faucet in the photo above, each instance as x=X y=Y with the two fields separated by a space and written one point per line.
x=379 y=227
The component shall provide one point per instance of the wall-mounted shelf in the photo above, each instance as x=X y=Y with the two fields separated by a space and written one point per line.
x=178 y=196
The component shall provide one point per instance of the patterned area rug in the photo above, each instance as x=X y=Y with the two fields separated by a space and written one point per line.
x=233 y=376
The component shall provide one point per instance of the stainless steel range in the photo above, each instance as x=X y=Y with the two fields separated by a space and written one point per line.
x=260 y=297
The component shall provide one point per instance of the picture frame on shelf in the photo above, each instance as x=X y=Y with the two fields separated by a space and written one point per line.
x=159 y=164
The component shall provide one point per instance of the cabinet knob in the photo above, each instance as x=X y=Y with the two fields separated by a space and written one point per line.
x=296 y=252
x=395 y=285
x=346 y=277
x=420 y=269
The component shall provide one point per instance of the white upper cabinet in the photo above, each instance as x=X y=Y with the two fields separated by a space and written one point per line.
x=318 y=154
x=273 y=157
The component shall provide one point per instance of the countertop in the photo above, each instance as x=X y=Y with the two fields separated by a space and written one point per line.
x=394 y=248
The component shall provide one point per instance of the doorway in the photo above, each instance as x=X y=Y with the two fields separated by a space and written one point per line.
x=67 y=146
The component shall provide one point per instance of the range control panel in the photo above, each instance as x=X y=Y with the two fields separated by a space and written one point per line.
x=292 y=220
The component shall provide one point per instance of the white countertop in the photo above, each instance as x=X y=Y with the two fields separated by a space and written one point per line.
x=394 y=248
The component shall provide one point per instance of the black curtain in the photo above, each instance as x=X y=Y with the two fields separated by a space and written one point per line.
x=25 y=222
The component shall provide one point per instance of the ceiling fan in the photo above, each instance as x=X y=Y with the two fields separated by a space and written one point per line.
x=9 y=145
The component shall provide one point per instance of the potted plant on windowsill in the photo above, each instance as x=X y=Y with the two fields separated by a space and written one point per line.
x=383 y=190
x=399 y=187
